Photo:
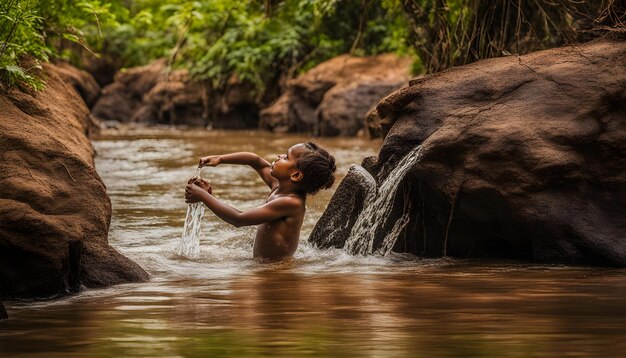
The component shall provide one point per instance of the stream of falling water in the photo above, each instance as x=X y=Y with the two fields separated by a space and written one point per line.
x=376 y=212
x=190 y=241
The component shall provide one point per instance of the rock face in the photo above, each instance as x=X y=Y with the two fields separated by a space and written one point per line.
x=82 y=82
x=152 y=95
x=54 y=210
x=333 y=98
x=102 y=68
x=522 y=157
x=347 y=203
x=144 y=94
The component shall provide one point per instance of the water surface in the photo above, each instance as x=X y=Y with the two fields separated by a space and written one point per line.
x=322 y=303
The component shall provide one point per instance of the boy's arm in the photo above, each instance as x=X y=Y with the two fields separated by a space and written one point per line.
x=273 y=210
x=259 y=164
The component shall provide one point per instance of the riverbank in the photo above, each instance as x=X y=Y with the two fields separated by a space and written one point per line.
x=331 y=99
x=54 y=212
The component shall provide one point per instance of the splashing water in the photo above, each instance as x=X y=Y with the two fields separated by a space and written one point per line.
x=376 y=212
x=190 y=242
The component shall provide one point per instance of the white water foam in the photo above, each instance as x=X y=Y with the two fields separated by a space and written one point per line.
x=190 y=242
x=376 y=212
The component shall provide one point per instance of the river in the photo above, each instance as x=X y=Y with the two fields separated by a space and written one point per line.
x=322 y=303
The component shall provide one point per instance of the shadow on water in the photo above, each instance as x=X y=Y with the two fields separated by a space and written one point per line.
x=323 y=302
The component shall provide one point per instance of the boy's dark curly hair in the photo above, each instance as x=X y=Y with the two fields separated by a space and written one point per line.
x=317 y=167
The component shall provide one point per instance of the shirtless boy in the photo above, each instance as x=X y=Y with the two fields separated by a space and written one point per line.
x=304 y=169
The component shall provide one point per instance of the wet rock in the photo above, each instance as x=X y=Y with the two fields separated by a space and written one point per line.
x=332 y=229
x=3 y=312
x=176 y=100
x=115 y=104
x=234 y=107
x=522 y=157
x=274 y=118
x=54 y=210
x=333 y=98
x=372 y=124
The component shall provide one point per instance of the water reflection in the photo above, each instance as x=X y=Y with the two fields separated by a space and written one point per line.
x=321 y=303
x=447 y=308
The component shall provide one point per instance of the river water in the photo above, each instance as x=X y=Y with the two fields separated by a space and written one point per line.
x=322 y=303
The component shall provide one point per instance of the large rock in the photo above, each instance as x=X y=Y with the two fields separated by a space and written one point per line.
x=234 y=107
x=54 y=210
x=173 y=100
x=347 y=203
x=152 y=94
x=122 y=99
x=334 y=97
x=521 y=157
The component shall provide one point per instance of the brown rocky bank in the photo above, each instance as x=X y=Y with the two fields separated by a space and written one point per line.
x=521 y=157
x=331 y=99
x=334 y=97
x=54 y=209
x=152 y=94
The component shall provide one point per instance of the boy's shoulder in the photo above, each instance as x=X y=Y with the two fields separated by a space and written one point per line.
x=287 y=200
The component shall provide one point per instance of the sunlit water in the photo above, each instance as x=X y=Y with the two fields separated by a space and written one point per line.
x=323 y=303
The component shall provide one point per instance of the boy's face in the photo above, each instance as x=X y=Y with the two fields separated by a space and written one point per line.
x=285 y=164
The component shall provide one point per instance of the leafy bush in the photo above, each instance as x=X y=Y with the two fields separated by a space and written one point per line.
x=264 y=41
x=256 y=41
x=20 y=31
x=32 y=31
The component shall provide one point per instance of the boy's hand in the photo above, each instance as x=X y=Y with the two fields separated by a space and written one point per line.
x=210 y=161
x=193 y=193
x=203 y=183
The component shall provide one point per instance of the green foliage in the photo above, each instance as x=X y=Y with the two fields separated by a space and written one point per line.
x=263 y=41
x=259 y=41
x=20 y=34
x=32 y=31
x=254 y=41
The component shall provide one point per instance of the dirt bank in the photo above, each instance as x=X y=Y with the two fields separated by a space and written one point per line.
x=54 y=209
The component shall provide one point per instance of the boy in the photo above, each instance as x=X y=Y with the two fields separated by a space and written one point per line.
x=304 y=169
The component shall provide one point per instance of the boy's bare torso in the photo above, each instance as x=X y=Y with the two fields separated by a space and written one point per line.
x=278 y=239
x=279 y=220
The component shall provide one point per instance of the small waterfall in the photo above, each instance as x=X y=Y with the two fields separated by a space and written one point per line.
x=376 y=212
x=333 y=227
x=190 y=242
